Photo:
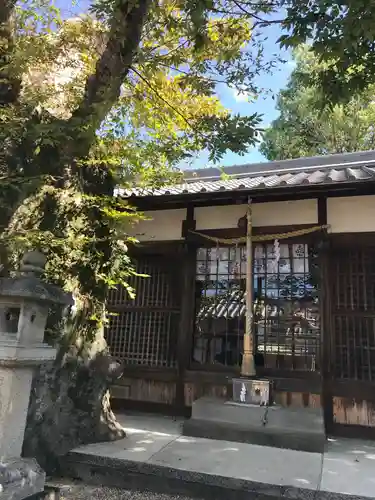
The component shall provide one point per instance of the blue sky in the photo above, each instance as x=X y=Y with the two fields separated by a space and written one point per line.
x=264 y=105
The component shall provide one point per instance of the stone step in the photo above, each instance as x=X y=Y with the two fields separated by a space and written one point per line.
x=138 y=476
x=159 y=479
x=299 y=429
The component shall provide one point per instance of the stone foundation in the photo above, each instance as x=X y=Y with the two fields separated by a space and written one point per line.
x=299 y=429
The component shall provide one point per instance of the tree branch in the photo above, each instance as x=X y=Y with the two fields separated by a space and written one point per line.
x=159 y=96
x=103 y=87
x=9 y=87
x=260 y=22
x=203 y=78
x=175 y=110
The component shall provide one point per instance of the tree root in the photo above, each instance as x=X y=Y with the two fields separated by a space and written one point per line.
x=70 y=406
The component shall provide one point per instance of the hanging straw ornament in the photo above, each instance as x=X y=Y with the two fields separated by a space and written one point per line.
x=276 y=247
x=217 y=259
x=236 y=265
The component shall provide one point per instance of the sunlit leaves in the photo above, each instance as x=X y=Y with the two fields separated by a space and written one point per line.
x=173 y=86
x=167 y=111
x=54 y=65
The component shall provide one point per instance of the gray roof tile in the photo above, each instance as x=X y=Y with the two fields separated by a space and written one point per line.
x=333 y=169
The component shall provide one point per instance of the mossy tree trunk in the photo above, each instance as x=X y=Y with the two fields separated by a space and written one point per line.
x=69 y=403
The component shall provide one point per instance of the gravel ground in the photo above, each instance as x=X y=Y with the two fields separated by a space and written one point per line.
x=81 y=491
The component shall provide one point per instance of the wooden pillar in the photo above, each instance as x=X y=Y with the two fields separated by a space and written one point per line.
x=248 y=365
x=186 y=325
x=325 y=318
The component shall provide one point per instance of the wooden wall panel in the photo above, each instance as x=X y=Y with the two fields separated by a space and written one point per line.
x=297 y=399
x=151 y=391
x=195 y=391
x=351 y=412
x=315 y=401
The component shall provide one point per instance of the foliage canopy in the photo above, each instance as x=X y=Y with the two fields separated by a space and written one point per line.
x=341 y=35
x=119 y=96
x=307 y=126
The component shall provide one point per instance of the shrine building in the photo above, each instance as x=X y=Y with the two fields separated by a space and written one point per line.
x=312 y=289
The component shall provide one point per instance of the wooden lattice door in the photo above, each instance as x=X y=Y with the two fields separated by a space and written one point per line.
x=352 y=336
x=143 y=331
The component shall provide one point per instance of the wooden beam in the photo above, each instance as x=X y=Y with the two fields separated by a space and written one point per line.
x=348 y=240
x=186 y=326
x=325 y=318
x=189 y=223
x=322 y=210
x=170 y=247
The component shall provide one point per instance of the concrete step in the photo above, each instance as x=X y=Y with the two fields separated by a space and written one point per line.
x=300 y=429
x=136 y=476
x=155 y=457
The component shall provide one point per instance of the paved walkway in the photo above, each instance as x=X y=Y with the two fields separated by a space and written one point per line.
x=346 y=468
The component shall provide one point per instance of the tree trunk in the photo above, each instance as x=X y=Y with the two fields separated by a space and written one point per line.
x=69 y=406
x=9 y=86
x=69 y=403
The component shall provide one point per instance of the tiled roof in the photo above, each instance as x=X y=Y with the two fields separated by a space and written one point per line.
x=316 y=171
x=230 y=305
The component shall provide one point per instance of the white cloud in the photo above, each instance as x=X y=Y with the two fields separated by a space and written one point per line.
x=240 y=95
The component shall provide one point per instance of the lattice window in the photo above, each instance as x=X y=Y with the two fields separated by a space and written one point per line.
x=220 y=308
x=143 y=331
x=286 y=316
x=353 y=310
x=286 y=319
x=154 y=291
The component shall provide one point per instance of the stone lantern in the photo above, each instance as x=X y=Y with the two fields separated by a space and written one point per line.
x=24 y=304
